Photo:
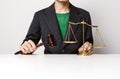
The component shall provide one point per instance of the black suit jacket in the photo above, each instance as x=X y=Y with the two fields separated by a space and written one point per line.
x=45 y=22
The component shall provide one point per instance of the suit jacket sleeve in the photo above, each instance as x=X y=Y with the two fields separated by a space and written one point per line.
x=89 y=36
x=34 y=32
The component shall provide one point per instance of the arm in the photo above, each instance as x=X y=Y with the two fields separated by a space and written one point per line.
x=88 y=45
x=34 y=32
x=33 y=36
x=88 y=36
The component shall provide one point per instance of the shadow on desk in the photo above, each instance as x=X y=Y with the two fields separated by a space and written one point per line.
x=100 y=51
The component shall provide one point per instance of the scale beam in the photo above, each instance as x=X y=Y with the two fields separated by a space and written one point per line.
x=83 y=23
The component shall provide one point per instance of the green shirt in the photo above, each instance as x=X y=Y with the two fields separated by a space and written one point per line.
x=63 y=19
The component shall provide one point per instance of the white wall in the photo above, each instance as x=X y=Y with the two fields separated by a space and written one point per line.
x=16 y=16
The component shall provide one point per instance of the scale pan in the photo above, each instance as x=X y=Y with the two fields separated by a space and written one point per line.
x=99 y=47
x=70 y=42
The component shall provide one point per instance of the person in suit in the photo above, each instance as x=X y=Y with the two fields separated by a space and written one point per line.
x=54 y=20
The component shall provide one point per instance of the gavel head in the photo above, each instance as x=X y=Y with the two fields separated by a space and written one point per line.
x=51 y=40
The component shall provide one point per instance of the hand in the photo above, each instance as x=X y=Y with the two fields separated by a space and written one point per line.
x=86 y=47
x=28 y=47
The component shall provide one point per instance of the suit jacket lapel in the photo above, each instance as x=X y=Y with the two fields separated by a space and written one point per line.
x=52 y=22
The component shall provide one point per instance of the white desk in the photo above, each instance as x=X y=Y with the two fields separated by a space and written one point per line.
x=97 y=66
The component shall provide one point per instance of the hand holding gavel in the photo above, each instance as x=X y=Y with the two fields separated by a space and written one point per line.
x=28 y=47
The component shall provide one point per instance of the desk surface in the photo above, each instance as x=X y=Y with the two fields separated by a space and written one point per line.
x=97 y=66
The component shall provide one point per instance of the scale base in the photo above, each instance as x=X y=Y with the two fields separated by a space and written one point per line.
x=84 y=53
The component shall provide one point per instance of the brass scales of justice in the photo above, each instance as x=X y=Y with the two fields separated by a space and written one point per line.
x=83 y=23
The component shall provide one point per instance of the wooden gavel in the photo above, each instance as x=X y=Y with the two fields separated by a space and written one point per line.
x=50 y=42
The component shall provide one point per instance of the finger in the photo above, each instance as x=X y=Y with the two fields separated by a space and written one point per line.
x=90 y=47
x=85 y=46
x=23 y=50
x=29 y=47
x=25 y=46
x=90 y=52
x=32 y=44
x=86 y=43
x=80 y=49
x=26 y=49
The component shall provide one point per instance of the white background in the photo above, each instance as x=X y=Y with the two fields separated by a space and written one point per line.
x=16 y=16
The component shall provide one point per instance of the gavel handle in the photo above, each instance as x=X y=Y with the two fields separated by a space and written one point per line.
x=20 y=52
